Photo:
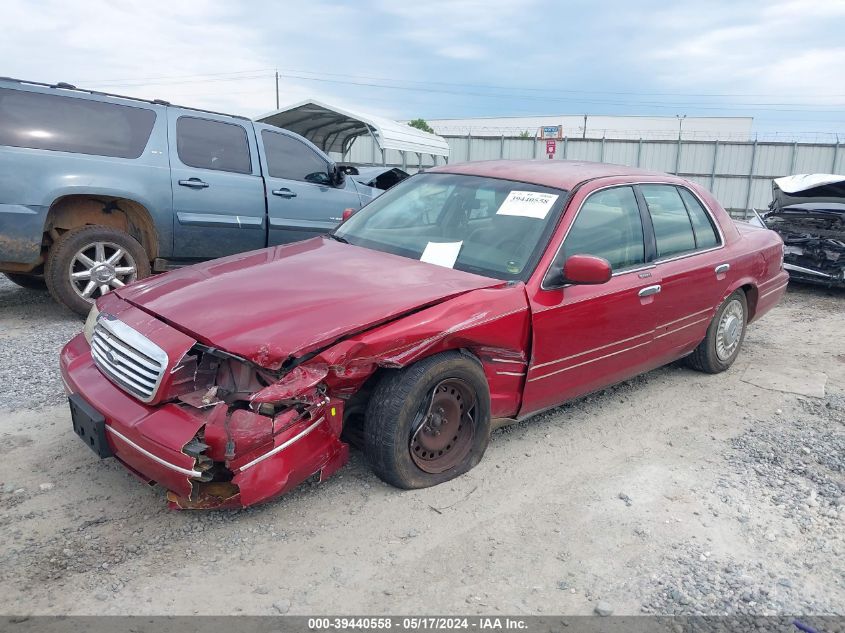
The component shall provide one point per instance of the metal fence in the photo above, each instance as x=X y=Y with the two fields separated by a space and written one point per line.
x=738 y=173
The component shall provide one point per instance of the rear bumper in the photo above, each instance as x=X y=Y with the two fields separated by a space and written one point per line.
x=770 y=292
x=148 y=440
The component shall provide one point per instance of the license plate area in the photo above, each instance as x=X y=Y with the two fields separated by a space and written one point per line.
x=90 y=425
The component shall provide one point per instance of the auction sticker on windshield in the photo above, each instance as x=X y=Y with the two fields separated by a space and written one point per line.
x=527 y=204
x=441 y=253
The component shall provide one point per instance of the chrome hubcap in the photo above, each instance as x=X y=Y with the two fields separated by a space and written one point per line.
x=97 y=268
x=730 y=330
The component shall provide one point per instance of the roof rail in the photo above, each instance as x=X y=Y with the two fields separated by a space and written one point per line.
x=66 y=86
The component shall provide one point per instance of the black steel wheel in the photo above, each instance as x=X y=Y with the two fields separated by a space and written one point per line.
x=429 y=422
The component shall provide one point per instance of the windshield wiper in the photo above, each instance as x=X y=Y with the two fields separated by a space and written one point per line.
x=337 y=238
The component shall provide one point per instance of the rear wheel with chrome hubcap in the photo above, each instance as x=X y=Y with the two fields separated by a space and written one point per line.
x=725 y=334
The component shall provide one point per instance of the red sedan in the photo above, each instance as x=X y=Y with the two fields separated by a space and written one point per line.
x=463 y=298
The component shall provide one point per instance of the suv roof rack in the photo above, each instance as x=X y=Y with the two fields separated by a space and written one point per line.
x=66 y=86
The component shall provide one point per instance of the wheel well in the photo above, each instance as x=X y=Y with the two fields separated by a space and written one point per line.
x=70 y=212
x=750 y=291
x=357 y=403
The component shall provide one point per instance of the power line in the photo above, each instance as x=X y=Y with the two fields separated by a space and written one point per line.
x=545 y=89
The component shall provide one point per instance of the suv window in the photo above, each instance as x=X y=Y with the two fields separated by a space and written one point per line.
x=72 y=124
x=705 y=232
x=672 y=227
x=292 y=159
x=608 y=225
x=212 y=145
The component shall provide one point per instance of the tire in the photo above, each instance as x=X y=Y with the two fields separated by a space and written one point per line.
x=709 y=356
x=31 y=282
x=68 y=256
x=406 y=415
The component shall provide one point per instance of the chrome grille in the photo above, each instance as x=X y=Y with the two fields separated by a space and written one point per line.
x=128 y=358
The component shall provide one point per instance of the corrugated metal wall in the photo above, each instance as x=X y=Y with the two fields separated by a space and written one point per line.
x=738 y=173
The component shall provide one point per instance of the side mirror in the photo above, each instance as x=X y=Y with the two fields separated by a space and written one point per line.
x=586 y=269
x=319 y=178
x=337 y=175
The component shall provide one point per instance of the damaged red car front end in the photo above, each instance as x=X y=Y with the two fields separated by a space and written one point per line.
x=237 y=415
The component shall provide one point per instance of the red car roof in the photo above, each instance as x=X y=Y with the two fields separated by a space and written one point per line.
x=561 y=174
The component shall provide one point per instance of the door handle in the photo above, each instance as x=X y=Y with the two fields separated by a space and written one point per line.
x=649 y=290
x=284 y=192
x=722 y=269
x=194 y=183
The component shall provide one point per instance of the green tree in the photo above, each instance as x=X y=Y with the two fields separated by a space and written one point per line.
x=421 y=124
x=525 y=134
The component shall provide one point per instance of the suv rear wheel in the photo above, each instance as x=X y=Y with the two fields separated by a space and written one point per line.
x=87 y=262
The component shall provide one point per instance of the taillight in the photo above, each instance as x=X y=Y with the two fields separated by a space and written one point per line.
x=347 y=213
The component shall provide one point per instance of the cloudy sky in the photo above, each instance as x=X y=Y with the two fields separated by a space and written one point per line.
x=780 y=61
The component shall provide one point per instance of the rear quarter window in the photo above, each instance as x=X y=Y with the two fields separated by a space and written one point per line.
x=705 y=233
x=672 y=227
x=72 y=124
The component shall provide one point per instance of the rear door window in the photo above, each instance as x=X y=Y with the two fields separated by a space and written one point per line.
x=705 y=232
x=291 y=159
x=672 y=227
x=72 y=124
x=214 y=145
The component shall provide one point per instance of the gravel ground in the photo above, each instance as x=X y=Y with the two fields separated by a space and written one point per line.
x=673 y=493
x=33 y=329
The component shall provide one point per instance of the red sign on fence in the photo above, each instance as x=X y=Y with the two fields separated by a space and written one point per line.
x=551 y=147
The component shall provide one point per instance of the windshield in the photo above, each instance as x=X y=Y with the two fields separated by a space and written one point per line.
x=491 y=227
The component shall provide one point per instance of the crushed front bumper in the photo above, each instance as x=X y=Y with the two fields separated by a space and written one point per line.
x=149 y=441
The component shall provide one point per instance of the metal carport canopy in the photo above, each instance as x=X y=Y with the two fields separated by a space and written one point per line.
x=333 y=129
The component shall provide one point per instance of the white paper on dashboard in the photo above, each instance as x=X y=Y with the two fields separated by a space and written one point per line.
x=441 y=253
x=527 y=204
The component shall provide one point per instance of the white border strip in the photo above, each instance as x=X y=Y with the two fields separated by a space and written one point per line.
x=592 y=360
x=774 y=290
x=155 y=458
x=282 y=446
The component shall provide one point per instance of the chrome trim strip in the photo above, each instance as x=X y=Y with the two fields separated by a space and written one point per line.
x=155 y=458
x=587 y=362
x=768 y=281
x=218 y=219
x=649 y=264
x=291 y=223
x=684 y=318
x=595 y=349
x=683 y=327
x=504 y=360
x=510 y=373
x=774 y=290
x=282 y=446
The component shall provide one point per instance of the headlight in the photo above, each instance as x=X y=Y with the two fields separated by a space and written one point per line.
x=90 y=323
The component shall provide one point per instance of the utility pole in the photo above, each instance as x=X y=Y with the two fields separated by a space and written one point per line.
x=277 y=89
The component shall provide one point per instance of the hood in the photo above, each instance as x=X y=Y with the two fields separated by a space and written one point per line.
x=290 y=300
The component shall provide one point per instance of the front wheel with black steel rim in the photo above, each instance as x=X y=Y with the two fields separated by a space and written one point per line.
x=87 y=262
x=429 y=422
x=725 y=334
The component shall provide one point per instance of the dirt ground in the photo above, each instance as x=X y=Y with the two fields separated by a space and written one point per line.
x=675 y=492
